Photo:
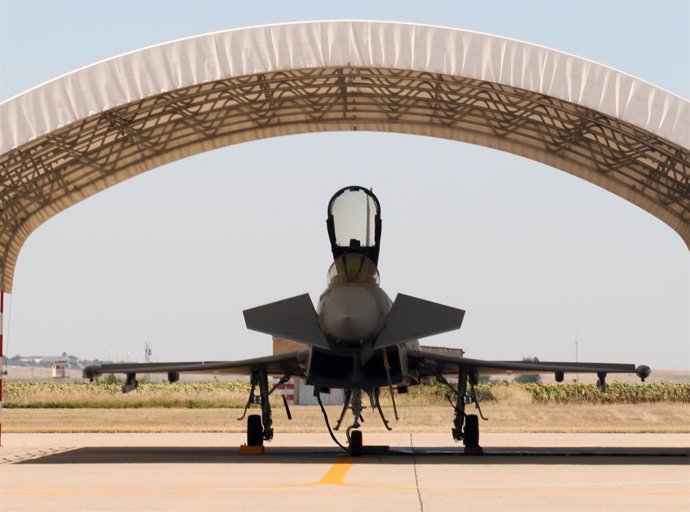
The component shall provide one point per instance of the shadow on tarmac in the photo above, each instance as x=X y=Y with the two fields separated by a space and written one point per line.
x=419 y=455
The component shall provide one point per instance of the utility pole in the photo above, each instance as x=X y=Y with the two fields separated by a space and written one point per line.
x=577 y=356
x=148 y=351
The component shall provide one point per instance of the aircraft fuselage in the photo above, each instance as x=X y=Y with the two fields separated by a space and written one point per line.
x=352 y=315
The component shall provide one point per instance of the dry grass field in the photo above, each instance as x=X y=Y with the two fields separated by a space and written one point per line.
x=209 y=395
x=614 y=418
x=215 y=406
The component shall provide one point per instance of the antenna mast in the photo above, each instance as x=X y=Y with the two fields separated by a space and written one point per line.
x=577 y=356
x=148 y=351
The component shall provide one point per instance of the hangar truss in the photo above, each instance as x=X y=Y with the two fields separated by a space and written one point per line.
x=86 y=131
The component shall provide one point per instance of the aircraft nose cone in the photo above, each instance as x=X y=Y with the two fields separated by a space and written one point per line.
x=349 y=313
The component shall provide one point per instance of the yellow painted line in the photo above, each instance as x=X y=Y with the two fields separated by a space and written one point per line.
x=338 y=471
x=336 y=474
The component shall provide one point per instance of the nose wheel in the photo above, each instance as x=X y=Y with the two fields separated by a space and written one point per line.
x=356 y=443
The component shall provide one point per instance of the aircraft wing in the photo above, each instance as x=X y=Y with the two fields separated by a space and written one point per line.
x=430 y=362
x=293 y=363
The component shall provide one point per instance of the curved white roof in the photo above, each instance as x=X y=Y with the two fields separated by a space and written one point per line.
x=197 y=60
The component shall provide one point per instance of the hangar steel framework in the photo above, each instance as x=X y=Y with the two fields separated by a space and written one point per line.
x=69 y=158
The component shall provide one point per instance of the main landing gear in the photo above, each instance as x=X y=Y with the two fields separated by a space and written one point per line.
x=255 y=430
x=465 y=426
x=260 y=427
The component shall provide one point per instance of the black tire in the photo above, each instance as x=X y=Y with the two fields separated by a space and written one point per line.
x=255 y=431
x=356 y=443
x=471 y=438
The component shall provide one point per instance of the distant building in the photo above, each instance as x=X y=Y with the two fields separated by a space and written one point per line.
x=60 y=369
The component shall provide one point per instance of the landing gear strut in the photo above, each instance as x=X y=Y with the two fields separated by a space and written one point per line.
x=260 y=427
x=353 y=402
x=465 y=426
x=356 y=406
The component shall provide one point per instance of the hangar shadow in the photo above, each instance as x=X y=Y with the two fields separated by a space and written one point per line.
x=419 y=455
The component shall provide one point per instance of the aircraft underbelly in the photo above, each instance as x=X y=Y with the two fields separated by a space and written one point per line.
x=346 y=370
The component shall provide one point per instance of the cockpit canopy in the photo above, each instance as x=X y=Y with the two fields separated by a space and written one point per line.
x=354 y=223
x=353 y=268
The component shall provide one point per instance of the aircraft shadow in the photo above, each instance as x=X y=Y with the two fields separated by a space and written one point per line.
x=420 y=455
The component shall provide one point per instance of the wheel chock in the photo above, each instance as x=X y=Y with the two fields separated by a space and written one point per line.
x=373 y=449
x=473 y=450
x=251 y=450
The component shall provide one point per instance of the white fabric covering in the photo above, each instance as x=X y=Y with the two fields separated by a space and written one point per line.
x=247 y=51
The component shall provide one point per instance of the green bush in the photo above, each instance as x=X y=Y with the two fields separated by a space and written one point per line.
x=616 y=393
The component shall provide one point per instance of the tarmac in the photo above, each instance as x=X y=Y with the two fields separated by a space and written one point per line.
x=426 y=472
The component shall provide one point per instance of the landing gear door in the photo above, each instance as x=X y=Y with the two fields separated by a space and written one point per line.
x=354 y=223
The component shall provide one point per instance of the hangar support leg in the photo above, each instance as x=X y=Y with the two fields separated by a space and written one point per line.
x=2 y=366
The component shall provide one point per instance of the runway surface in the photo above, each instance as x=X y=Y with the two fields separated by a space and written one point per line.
x=307 y=472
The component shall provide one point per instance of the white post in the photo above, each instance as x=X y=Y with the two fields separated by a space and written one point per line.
x=2 y=311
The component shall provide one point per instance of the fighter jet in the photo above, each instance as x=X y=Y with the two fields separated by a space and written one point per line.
x=359 y=340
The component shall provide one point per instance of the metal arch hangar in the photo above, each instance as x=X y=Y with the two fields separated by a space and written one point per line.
x=83 y=132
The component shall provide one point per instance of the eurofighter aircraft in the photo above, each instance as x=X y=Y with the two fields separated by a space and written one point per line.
x=358 y=340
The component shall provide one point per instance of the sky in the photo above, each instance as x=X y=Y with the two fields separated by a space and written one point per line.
x=536 y=257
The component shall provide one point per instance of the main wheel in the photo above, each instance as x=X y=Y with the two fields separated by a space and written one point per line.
x=471 y=437
x=255 y=431
x=356 y=443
